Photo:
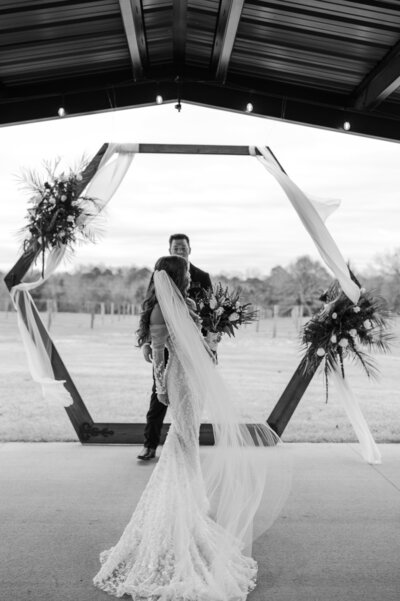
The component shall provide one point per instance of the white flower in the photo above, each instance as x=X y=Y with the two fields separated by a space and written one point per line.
x=343 y=342
x=233 y=317
x=213 y=302
x=219 y=311
x=333 y=338
x=320 y=352
x=356 y=309
x=353 y=332
x=367 y=324
x=334 y=315
x=71 y=219
x=63 y=198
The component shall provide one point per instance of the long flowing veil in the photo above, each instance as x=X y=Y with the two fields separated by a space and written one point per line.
x=246 y=472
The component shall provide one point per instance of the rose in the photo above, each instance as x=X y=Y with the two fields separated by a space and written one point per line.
x=320 y=352
x=343 y=342
x=213 y=302
x=353 y=332
x=356 y=309
x=333 y=338
x=233 y=317
x=334 y=315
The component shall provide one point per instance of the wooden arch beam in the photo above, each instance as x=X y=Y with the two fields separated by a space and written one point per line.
x=132 y=18
x=89 y=431
x=225 y=34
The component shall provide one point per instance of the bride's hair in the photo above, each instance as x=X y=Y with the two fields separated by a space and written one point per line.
x=176 y=267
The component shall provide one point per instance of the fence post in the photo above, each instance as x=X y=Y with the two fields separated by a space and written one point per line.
x=275 y=321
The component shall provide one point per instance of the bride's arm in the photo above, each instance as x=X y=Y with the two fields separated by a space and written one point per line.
x=159 y=334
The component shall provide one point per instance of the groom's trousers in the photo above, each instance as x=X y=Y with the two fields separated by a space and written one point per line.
x=155 y=417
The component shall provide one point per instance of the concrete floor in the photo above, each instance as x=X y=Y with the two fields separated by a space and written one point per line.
x=337 y=539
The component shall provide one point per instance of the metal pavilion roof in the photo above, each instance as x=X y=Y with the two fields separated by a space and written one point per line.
x=317 y=62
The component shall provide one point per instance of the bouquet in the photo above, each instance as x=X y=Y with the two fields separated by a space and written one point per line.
x=58 y=213
x=221 y=312
x=343 y=330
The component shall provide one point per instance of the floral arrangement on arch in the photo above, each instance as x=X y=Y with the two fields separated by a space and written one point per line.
x=342 y=330
x=58 y=212
x=221 y=311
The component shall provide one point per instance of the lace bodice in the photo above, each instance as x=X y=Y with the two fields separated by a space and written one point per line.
x=159 y=336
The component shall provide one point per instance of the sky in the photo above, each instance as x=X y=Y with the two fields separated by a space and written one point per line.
x=238 y=218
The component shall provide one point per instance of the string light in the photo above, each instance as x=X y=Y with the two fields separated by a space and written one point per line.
x=249 y=107
x=346 y=126
x=159 y=99
x=61 y=112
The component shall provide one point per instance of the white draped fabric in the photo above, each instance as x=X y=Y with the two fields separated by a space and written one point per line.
x=369 y=449
x=102 y=187
x=310 y=216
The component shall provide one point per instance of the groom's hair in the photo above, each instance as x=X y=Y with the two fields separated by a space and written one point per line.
x=178 y=237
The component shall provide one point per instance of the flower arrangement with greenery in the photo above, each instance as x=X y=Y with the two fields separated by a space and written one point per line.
x=342 y=330
x=58 y=213
x=222 y=312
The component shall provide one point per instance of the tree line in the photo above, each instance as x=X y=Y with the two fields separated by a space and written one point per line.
x=300 y=283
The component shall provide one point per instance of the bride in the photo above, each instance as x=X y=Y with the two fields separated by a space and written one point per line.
x=189 y=538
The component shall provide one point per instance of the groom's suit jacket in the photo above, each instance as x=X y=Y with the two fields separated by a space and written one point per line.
x=199 y=279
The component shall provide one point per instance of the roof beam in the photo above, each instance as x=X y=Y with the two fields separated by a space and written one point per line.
x=132 y=18
x=225 y=33
x=382 y=81
x=179 y=26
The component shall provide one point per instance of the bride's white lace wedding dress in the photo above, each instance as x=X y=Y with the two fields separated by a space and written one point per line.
x=175 y=547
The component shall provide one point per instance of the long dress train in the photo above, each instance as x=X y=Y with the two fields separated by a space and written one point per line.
x=172 y=549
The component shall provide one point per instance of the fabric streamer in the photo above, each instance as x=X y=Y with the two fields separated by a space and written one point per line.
x=313 y=222
x=369 y=449
x=102 y=187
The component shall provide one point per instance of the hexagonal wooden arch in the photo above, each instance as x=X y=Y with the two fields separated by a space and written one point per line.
x=89 y=431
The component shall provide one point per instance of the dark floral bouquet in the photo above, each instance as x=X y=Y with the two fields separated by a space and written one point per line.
x=342 y=330
x=58 y=213
x=222 y=312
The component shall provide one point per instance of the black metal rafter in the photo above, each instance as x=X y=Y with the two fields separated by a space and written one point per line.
x=225 y=33
x=179 y=27
x=132 y=18
x=382 y=81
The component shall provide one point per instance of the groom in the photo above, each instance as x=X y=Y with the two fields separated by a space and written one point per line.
x=179 y=244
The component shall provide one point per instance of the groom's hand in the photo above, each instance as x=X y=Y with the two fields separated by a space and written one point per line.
x=147 y=354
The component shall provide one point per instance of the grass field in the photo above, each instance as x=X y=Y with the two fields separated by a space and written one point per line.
x=115 y=382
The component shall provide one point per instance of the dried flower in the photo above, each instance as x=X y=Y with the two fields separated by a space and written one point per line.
x=334 y=315
x=353 y=332
x=367 y=324
x=343 y=342
x=334 y=338
x=356 y=309
x=320 y=352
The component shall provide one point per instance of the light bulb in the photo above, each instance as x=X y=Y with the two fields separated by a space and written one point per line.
x=61 y=111
x=249 y=107
x=346 y=125
x=159 y=99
